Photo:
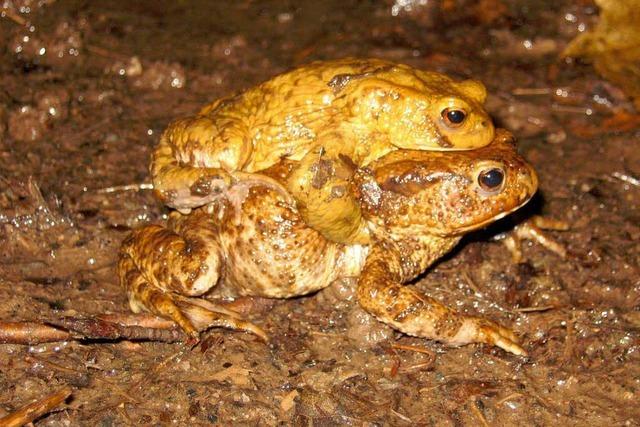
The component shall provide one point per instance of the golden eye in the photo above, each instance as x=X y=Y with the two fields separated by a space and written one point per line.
x=453 y=117
x=491 y=180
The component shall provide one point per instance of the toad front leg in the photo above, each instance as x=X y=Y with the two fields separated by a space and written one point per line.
x=161 y=267
x=381 y=293
x=319 y=184
x=196 y=159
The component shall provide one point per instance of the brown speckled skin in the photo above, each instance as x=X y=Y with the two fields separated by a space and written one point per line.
x=416 y=205
x=361 y=108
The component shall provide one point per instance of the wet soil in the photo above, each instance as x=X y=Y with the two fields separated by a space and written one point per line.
x=85 y=89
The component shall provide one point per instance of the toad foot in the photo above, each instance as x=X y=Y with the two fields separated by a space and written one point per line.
x=151 y=288
x=533 y=229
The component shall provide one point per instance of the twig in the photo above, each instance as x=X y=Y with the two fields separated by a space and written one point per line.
x=156 y=369
x=13 y=16
x=572 y=109
x=143 y=320
x=532 y=230
x=395 y=366
x=418 y=366
x=569 y=340
x=77 y=328
x=551 y=224
x=117 y=389
x=528 y=91
x=105 y=52
x=509 y=397
x=35 y=410
x=81 y=134
x=542 y=401
x=90 y=328
x=430 y=389
x=402 y=417
x=30 y=333
x=470 y=282
x=123 y=412
x=414 y=348
x=52 y=365
x=128 y=187
x=533 y=309
x=474 y=287
x=626 y=178
x=324 y=334
x=476 y=411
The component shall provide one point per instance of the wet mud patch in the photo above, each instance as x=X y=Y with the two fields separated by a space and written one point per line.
x=86 y=88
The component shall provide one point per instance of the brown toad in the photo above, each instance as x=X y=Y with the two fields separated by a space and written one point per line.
x=416 y=205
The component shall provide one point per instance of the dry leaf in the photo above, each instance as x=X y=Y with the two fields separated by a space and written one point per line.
x=488 y=11
x=619 y=122
x=614 y=45
x=622 y=122
x=287 y=401
x=238 y=376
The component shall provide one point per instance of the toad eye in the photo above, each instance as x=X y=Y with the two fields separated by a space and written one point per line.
x=490 y=180
x=453 y=117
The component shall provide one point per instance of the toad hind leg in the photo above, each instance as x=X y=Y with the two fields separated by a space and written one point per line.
x=381 y=293
x=159 y=268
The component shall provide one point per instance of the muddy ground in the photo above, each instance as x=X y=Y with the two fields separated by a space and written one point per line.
x=86 y=88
